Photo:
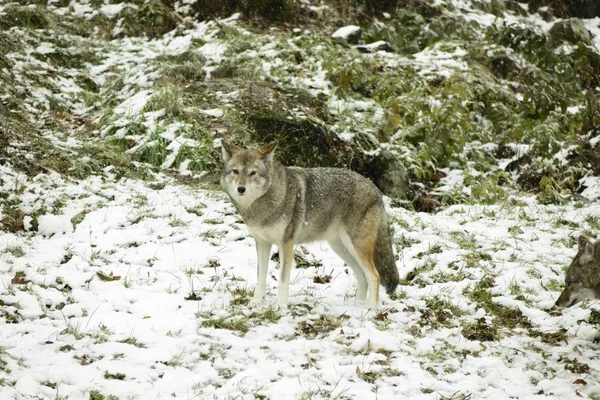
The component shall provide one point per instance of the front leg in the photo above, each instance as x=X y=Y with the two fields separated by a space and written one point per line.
x=286 y=256
x=263 y=251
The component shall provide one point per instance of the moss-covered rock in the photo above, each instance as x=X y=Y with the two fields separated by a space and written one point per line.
x=571 y=30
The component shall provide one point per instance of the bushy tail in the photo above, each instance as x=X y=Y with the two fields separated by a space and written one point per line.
x=384 y=258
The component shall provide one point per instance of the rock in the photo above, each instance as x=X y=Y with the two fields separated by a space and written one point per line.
x=571 y=30
x=348 y=34
x=375 y=47
x=503 y=66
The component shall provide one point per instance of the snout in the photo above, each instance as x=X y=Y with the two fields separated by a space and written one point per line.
x=241 y=189
x=564 y=300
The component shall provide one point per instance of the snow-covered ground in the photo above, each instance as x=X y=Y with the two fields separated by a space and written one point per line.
x=122 y=288
x=142 y=293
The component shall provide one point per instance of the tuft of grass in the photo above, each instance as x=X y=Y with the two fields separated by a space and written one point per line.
x=268 y=316
x=15 y=251
x=302 y=259
x=439 y=312
x=133 y=341
x=595 y=317
x=241 y=297
x=503 y=316
x=236 y=324
x=551 y=338
x=74 y=331
x=117 y=375
x=480 y=330
x=66 y=348
x=319 y=327
x=96 y=395
x=573 y=365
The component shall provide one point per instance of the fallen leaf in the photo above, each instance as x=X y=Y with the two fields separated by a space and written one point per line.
x=108 y=278
x=19 y=278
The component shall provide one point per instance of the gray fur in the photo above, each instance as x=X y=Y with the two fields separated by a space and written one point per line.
x=582 y=279
x=294 y=205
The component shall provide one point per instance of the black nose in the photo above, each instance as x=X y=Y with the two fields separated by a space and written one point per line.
x=241 y=189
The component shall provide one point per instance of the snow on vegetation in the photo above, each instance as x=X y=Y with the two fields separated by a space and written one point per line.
x=119 y=287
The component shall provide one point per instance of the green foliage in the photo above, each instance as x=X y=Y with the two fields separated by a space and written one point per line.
x=36 y=17
x=595 y=317
x=267 y=10
x=412 y=30
x=151 y=18
x=96 y=395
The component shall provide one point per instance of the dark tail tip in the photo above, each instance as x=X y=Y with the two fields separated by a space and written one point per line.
x=390 y=287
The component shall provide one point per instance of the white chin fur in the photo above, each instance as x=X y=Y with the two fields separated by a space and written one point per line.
x=584 y=294
x=244 y=200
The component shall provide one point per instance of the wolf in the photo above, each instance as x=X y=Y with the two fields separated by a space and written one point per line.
x=582 y=280
x=286 y=206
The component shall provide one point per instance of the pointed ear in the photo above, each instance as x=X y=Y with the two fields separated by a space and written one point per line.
x=586 y=248
x=268 y=150
x=227 y=150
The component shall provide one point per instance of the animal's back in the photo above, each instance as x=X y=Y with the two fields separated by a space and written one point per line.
x=341 y=202
x=330 y=196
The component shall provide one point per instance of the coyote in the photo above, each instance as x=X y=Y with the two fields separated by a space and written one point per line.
x=285 y=206
x=582 y=280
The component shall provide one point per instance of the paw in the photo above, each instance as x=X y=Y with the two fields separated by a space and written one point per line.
x=282 y=303
x=373 y=304
x=257 y=300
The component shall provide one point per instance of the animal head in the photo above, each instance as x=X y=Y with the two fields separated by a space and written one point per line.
x=582 y=280
x=246 y=174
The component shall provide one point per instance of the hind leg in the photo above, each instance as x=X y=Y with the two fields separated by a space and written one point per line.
x=361 y=281
x=361 y=245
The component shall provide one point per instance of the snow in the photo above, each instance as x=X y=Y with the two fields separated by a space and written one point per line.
x=140 y=324
x=50 y=225
x=112 y=10
x=435 y=61
x=45 y=48
x=345 y=31
x=592 y=187
x=213 y=112
x=109 y=263
x=134 y=104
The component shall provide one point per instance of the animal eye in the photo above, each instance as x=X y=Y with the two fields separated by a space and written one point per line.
x=252 y=173
x=235 y=171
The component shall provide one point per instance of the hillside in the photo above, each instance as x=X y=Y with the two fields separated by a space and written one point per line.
x=126 y=273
